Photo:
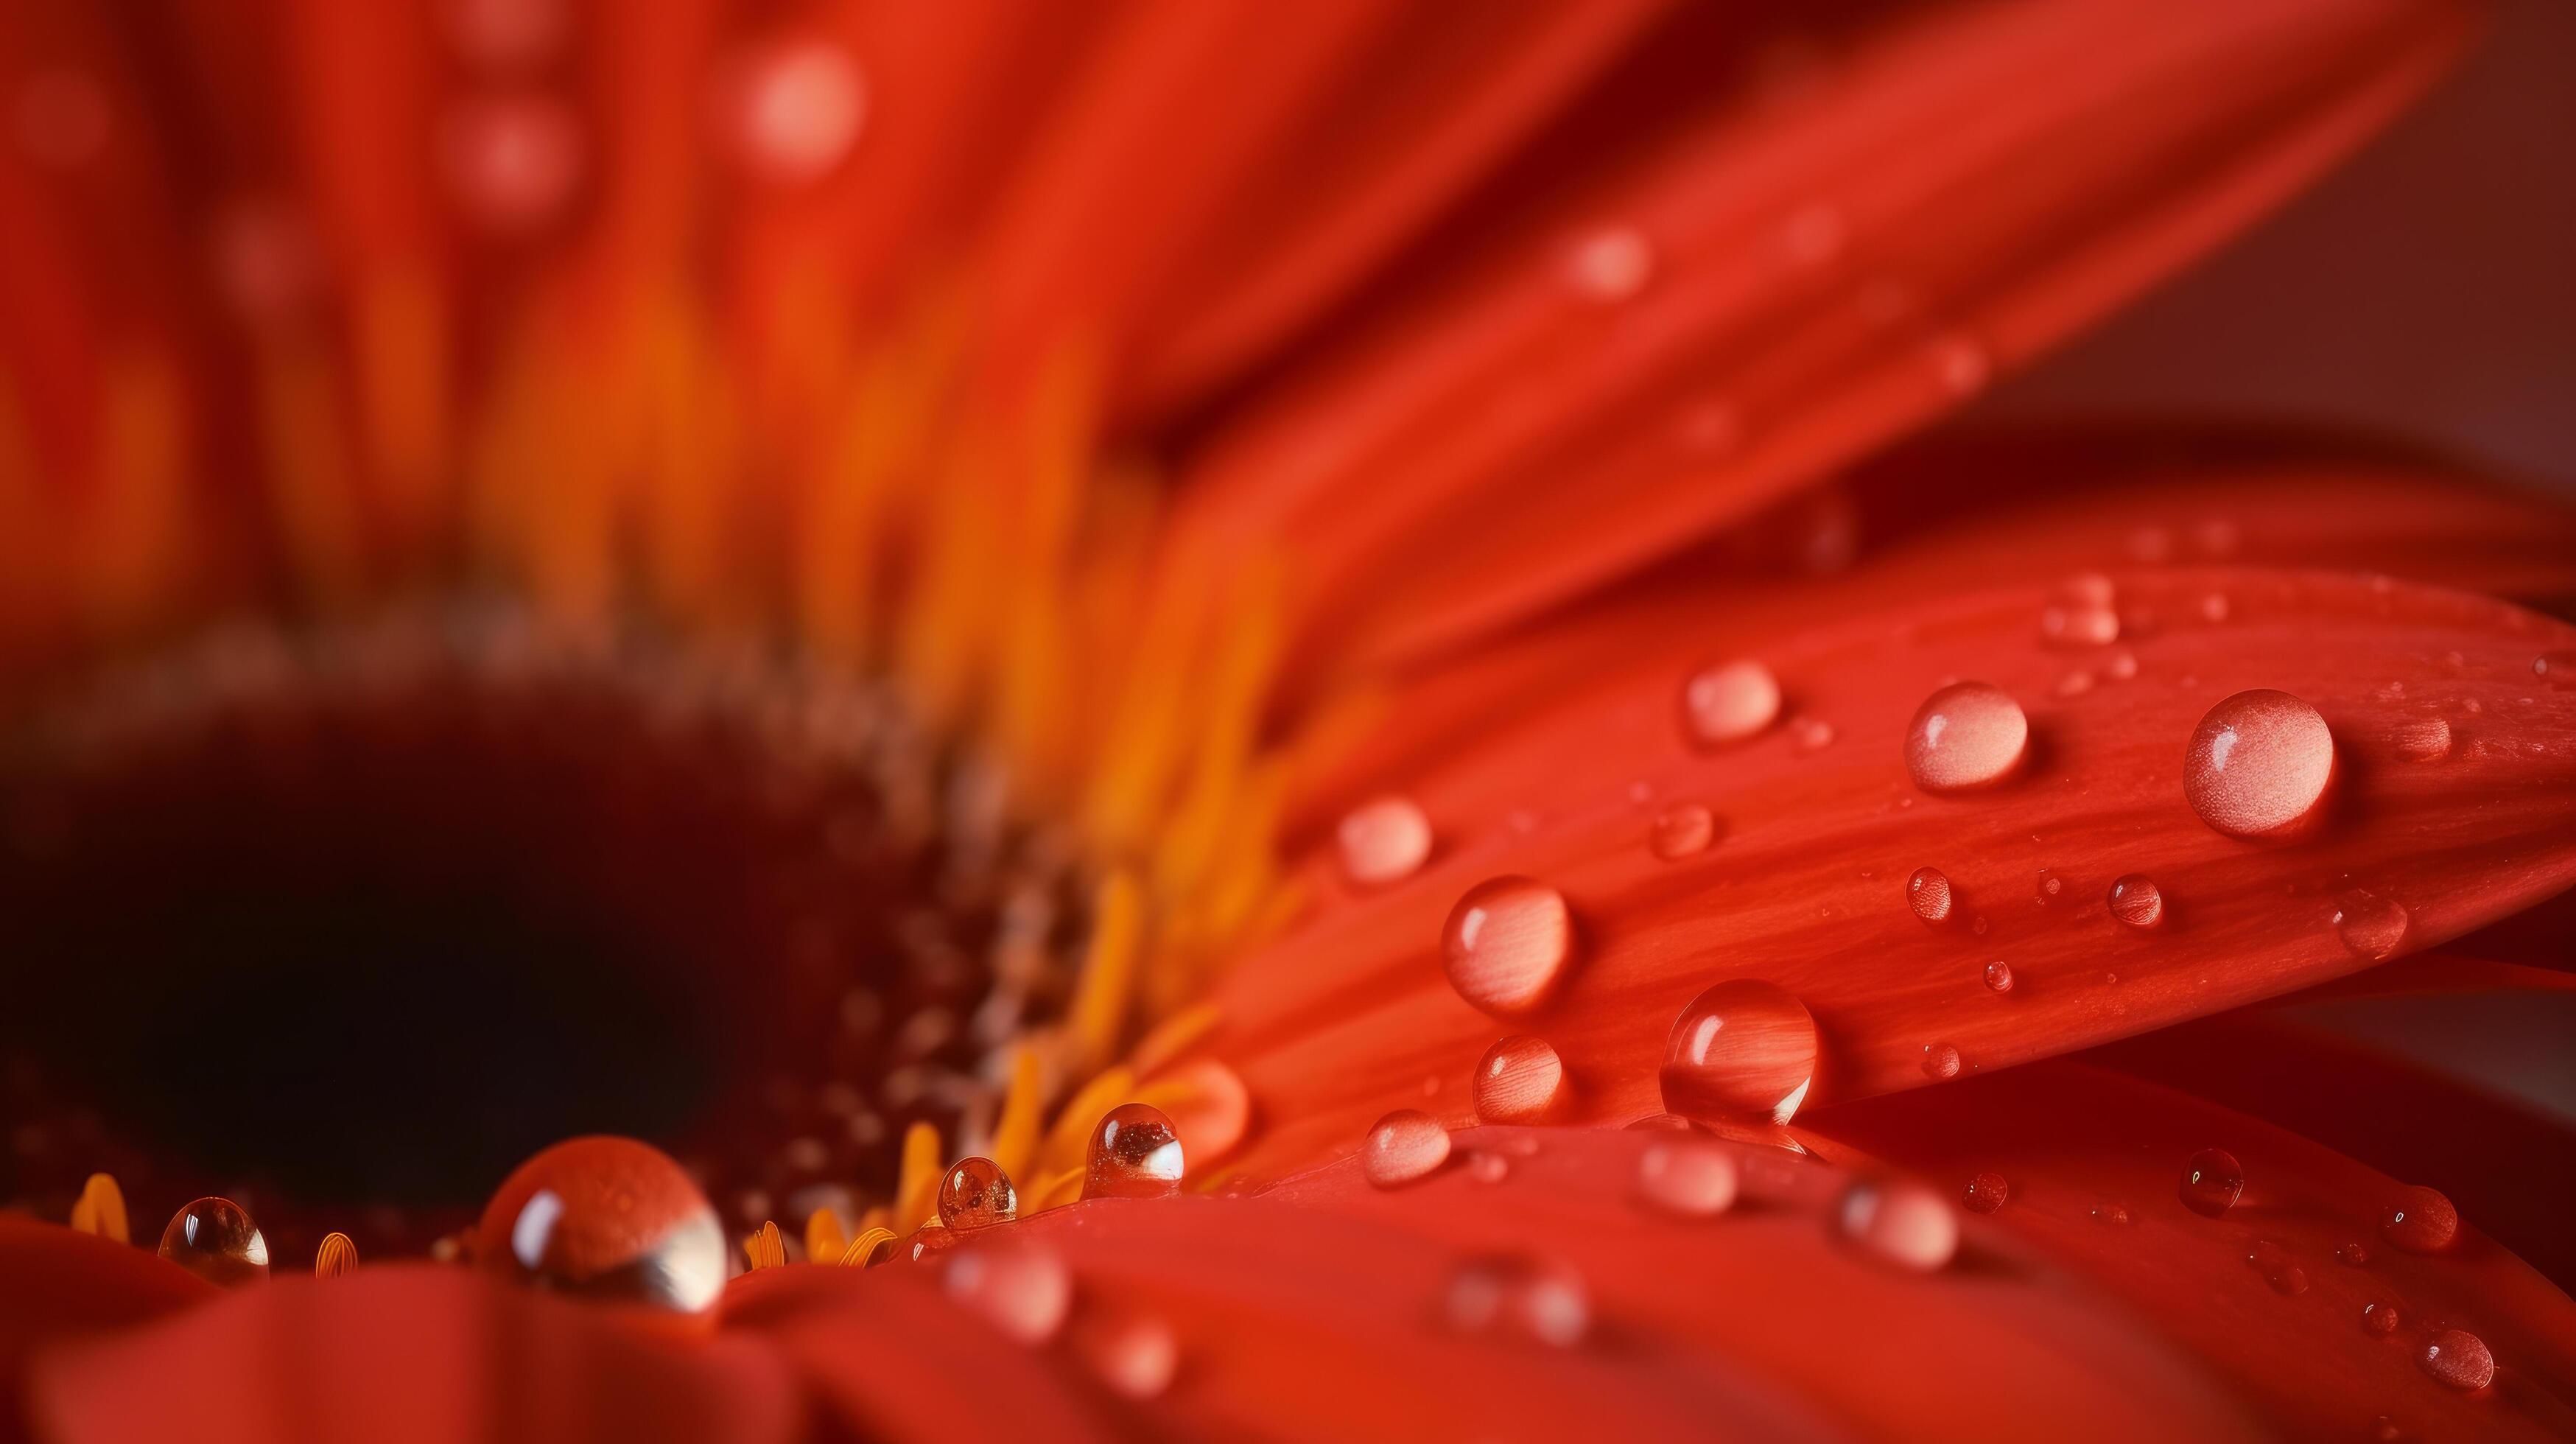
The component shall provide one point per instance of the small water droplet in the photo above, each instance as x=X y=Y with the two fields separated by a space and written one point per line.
x=1967 y=735
x=2354 y=1254
x=1611 y=264
x=976 y=1194
x=1729 y=702
x=1682 y=831
x=1940 y=1061
x=1519 y=1080
x=1529 y=1298
x=1743 y=1050
x=2258 y=764
x=2557 y=668
x=2370 y=925
x=1021 y=1288
x=1506 y=944
x=2379 y=1317
x=1898 y=1222
x=1689 y=1177
x=1928 y=893
x=215 y=1239
x=1406 y=1145
x=2420 y=1220
x=2047 y=886
x=2137 y=902
x=2111 y=1215
x=1134 y=1354
x=1384 y=841
x=1986 y=1192
x=2458 y=1359
x=2212 y=1180
x=1135 y=1152
x=1999 y=976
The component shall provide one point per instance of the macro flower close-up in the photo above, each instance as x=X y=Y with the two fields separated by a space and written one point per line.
x=785 y=720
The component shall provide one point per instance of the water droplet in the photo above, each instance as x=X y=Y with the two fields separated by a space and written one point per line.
x=1406 y=1145
x=2211 y=1181
x=2258 y=764
x=1690 y=1177
x=976 y=1194
x=2111 y=1215
x=1611 y=264
x=1682 y=831
x=512 y=162
x=2355 y=1254
x=2137 y=901
x=1986 y=1192
x=607 y=1218
x=2427 y=740
x=1506 y=1294
x=1135 y=1153
x=1021 y=1288
x=2047 y=886
x=1928 y=893
x=215 y=1240
x=1967 y=735
x=2370 y=925
x=1134 y=1354
x=796 y=110
x=1743 y=1050
x=2289 y=1279
x=2557 y=668
x=2459 y=1359
x=1899 y=1222
x=1940 y=1061
x=1999 y=976
x=1519 y=1080
x=1506 y=944
x=1384 y=841
x=1729 y=702
x=2379 y=1317
x=2420 y=1220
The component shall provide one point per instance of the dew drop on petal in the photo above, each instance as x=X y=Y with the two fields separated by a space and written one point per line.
x=1729 y=702
x=976 y=1194
x=1506 y=944
x=1928 y=893
x=1985 y=1193
x=2379 y=1317
x=1383 y=841
x=1999 y=976
x=2137 y=902
x=2425 y=740
x=2258 y=764
x=2557 y=668
x=2355 y=1253
x=215 y=1239
x=1136 y=1355
x=1682 y=831
x=1898 y=1222
x=1940 y=1062
x=1687 y=1177
x=2420 y=1220
x=2289 y=1279
x=1967 y=735
x=2212 y=1180
x=1135 y=1152
x=1611 y=264
x=1742 y=1051
x=2370 y=925
x=1406 y=1145
x=1021 y=1288
x=607 y=1218
x=1528 y=1298
x=2047 y=886
x=2459 y=1359
x=796 y=110
x=1519 y=1080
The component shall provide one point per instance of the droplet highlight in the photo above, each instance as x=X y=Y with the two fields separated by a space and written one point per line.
x=1966 y=736
x=976 y=1194
x=2258 y=764
x=1999 y=976
x=607 y=1218
x=2458 y=1359
x=1927 y=892
x=1743 y=1051
x=2212 y=1180
x=2137 y=902
x=1985 y=1193
x=2370 y=926
x=1506 y=944
x=215 y=1239
x=1519 y=1080
x=2420 y=1220
x=2379 y=1318
x=1940 y=1062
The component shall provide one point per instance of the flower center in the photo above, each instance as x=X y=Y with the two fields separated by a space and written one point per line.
x=343 y=923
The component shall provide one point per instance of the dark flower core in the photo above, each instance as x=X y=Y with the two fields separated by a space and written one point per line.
x=346 y=922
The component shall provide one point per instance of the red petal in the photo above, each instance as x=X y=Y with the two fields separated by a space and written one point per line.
x=410 y=1353
x=58 y=1285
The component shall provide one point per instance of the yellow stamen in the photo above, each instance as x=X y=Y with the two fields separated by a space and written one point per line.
x=916 y=1191
x=878 y=1217
x=337 y=1256
x=1070 y=1139
x=862 y=1250
x=100 y=1209
x=824 y=1237
x=766 y=1249
x=1059 y=1190
x=1101 y=995
x=1015 y=1136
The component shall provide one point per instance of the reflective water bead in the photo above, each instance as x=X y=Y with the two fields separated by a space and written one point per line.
x=1940 y=1062
x=2425 y=740
x=1406 y=1145
x=2420 y=1220
x=1384 y=841
x=1021 y=1288
x=1743 y=1051
x=2137 y=902
x=1967 y=735
x=1899 y=1222
x=2557 y=668
x=2258 y=764
x=1506 y=944
x=2370 y=926
x=1928 y=893
x=1687 y=1177
x=215 y=1239
x=1729 y=702
x=2459 y=1359
x=977 y=1194
x=1134 y=1354
x=1519 y=1080
x=1986 y=1192
x=1999 y=976
x=607 y=1218
x=2212 y=1180
x=2379 y=1317
x=1135 y=1153
x=1682 y=831
x=1536 y=1299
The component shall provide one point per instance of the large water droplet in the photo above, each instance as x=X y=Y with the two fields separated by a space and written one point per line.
x=1506 y=944
x=1999 y=977
x=976 y=1194
x=215 y=1240
x=2459 y=1359
x=2370 y=925
x=1384 y=841
x=1729 y=702
x=1940 y=1062
x=2424 y=740
x=2420 y=1220
x=607 y=1218
x=1531 y=1298
x=1519 y=1080
x=1928 y=893
x=1021 y=1288
x=1899 y=1222
x=1986 y=1192
x=1743 y=1051
x=1406 y=1145
x=2137 y=901
x=2258 y=764
x=1689 y=1177
x=2211 y=1182
x=1967 y=735
x=1682 y=831
x=1135 y=1153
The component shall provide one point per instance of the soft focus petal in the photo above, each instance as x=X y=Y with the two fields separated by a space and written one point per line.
x=58 y=1285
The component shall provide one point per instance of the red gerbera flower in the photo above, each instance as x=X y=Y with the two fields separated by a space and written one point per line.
x=982 y=622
